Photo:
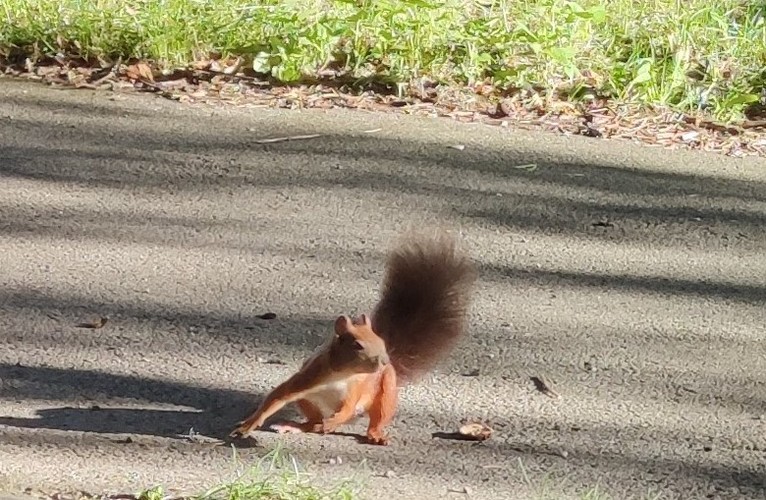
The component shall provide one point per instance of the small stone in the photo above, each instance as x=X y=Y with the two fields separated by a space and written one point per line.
x=389 y=474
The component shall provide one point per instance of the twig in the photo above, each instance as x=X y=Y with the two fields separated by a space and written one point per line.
x=288 y=138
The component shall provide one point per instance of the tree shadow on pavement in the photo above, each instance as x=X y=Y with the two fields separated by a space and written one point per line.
x=610 y=176
x=217 y=410
x=736 y=292
x=611 y=200
x=606 y=201
x=132 y=321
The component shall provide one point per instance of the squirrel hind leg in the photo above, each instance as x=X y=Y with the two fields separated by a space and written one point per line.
x=383 y=408
x=310 y=411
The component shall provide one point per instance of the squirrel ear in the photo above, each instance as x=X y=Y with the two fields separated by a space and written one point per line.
x=365 y=320
x=342 y=325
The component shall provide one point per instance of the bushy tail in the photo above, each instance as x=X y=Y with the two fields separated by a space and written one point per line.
x=423 y=303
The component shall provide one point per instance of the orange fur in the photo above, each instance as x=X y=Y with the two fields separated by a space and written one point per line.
x=419 y=317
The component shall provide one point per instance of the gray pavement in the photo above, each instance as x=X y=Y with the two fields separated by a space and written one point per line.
x=632 y=278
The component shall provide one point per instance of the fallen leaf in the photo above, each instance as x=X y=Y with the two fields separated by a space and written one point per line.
x=202 y=64
x=472 y=431
x=475 y=431
x=268 y=315
x=234 y=67
x=139 y=71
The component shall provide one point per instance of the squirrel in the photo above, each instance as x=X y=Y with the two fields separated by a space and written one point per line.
x=417 y=321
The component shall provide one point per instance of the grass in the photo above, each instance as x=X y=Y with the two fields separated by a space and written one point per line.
x=690 y=54
x=275 y=477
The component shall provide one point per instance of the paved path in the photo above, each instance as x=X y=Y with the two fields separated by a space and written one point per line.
x=632 y=278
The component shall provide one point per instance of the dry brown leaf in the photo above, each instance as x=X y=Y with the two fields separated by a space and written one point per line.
x=202 y=64
x=475 y=431
x=140 y=71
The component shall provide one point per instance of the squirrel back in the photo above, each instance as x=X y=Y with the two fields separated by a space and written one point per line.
x=423 y=304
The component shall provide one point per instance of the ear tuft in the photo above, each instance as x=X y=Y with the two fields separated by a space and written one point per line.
x=365 y=320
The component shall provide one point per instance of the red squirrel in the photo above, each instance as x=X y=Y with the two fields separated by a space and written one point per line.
x=419 y=318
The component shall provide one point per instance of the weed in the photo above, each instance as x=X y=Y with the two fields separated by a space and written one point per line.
x=275 y=477
x=691 y=55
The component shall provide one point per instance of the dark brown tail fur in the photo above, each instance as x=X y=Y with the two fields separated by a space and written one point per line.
x=423 y=303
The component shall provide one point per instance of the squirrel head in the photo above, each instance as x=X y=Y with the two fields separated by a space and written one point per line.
x=355 y=346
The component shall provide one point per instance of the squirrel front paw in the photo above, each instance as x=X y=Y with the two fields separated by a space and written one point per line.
x=240 y=431
x=244 y=428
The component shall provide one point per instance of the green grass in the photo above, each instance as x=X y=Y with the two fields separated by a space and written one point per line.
x=688 y=54
x=274 y=477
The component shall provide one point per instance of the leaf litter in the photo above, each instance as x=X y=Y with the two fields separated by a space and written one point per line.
x=228 y=81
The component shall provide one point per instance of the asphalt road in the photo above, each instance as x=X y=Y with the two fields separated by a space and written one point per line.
x=633 y=279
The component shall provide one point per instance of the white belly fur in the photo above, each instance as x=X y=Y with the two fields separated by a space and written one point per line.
x=328 y=397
